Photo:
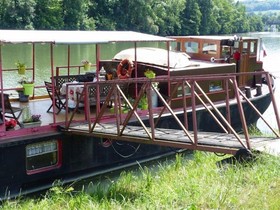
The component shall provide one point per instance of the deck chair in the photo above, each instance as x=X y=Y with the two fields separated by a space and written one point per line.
x=10 y=111
x=60 y=100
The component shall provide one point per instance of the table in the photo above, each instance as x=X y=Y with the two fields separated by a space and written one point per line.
x=73 y=89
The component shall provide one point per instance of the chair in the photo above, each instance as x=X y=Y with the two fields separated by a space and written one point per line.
x=60 y=100
x=92 y=94
x=10 y=111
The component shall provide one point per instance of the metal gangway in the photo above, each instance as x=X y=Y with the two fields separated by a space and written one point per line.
x=144 y=126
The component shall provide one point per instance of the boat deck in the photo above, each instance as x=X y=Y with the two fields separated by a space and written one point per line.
x=40 y=106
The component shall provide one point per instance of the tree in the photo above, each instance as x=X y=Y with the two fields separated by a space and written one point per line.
x=168 y=16
x=48 y=15
x=240 y=19
x=18 y=14
x=137 y=15
x=191 y=18
x=75 y=15
x=256 y=23
x=103 y=13
x=163 y=17
x=206 y=7
x=225 y=17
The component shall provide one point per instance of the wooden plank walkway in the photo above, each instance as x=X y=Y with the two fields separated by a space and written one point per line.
x=207 y=141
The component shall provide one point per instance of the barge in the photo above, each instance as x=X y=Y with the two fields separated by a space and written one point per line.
x=34 y=156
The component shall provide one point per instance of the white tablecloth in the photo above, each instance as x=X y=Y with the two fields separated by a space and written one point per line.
x=73 y=89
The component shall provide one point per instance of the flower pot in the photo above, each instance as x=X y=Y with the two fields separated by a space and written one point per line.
x=22 y=97
x=87 y=66
x=32 y=124
x=154 y=99
x=144 y=106
x=28 y=88
x=21 y=70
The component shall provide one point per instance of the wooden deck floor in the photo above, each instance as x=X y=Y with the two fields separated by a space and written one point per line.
x=40 y=106
x=177 y=138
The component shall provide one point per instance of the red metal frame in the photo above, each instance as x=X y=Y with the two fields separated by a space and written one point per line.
x=94 y=120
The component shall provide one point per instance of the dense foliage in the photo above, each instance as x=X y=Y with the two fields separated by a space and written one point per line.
x=162 y=17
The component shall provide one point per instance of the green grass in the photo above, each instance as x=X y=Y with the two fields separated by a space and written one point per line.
x=196 y=183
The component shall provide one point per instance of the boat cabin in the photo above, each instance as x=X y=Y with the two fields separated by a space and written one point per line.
x=243 y=51
x=166 y=64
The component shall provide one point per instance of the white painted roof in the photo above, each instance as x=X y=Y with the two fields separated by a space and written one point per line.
x=155 y=56
x=75 y=37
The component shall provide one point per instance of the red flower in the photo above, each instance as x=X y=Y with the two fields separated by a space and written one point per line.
x=10 y=123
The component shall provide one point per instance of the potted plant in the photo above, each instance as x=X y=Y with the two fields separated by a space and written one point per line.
x=30 y=120
x=21 y=67
x=151 y=75
x=143 y=103
x=10 y=124
x=22 y=97
x=28 y=85
x=86 y=65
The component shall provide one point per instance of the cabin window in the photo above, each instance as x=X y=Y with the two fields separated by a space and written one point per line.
x=191 y=47
x=225 y=51
x=178 y=47
x=209 y=48
x=215 y=86
x=245 y=47
x=253 y=48
x=42 y=156
x=180 y=91
x=236 y=45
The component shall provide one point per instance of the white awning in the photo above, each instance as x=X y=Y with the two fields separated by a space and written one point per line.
x=76 y=37
x=155 y=56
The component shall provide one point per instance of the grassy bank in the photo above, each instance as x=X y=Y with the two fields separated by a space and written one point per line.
x=196 y=183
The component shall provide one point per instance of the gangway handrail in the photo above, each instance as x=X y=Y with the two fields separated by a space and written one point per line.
x=174 y=115
x=257 y=111
x=219 y=114
x=192 y=82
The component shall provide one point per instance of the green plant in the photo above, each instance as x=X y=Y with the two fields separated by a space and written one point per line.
x=85 y=62
x=143 y=103
x=20 y=65
x=143 y=100
x=25 y=80
x=150 y=74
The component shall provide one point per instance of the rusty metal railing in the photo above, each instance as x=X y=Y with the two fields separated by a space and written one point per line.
x=149 y=119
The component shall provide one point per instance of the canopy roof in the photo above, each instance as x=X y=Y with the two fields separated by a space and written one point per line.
x=76 y=37
x=155 y=56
